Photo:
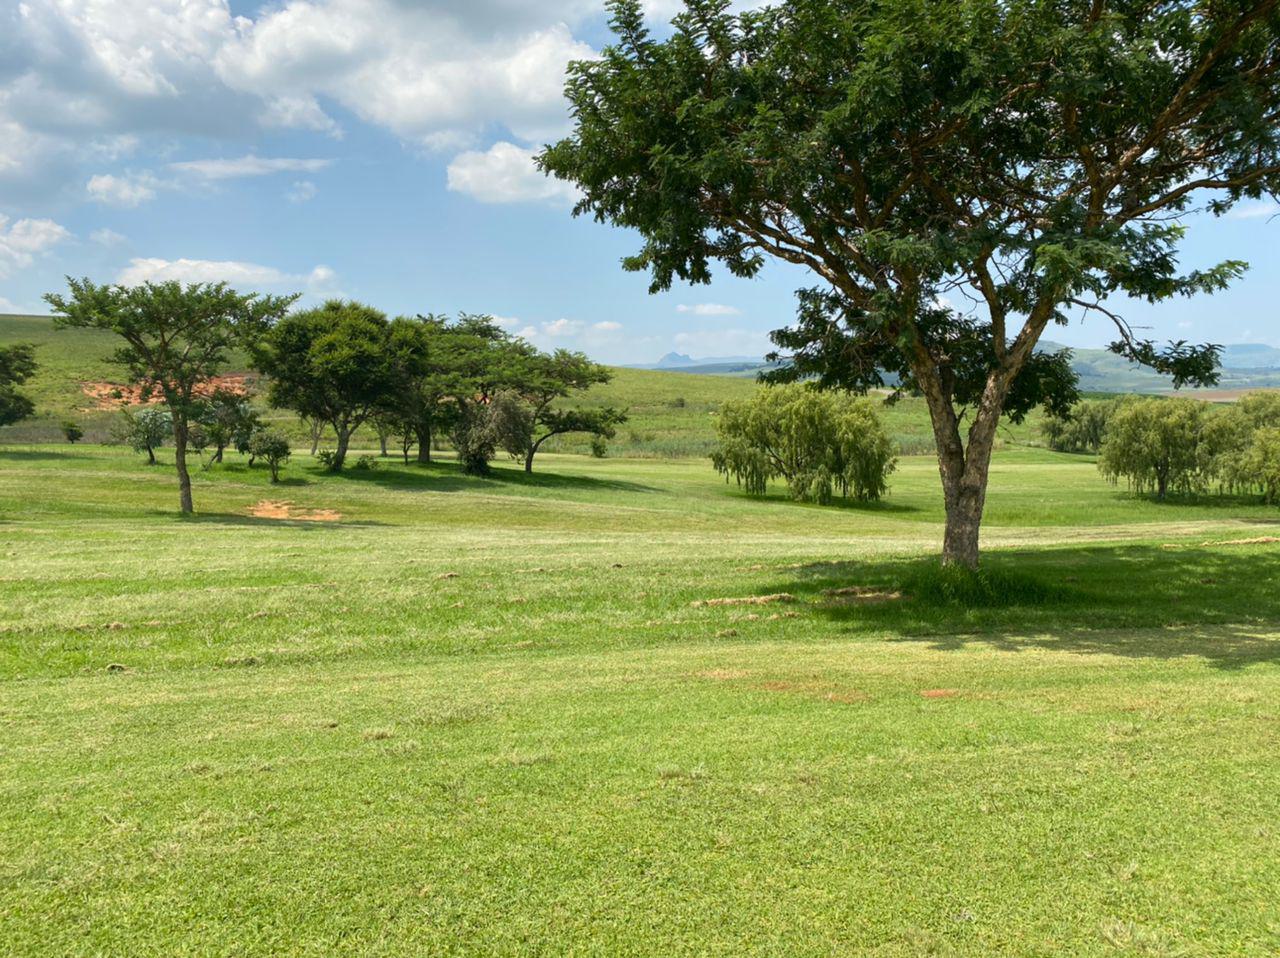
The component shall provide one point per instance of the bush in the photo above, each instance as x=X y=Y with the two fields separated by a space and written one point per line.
x=72 y=431
x=820 y=443
x=476 y=439
x=326 y=458
x=599 y=446
x=367 y=463
x=272 y=448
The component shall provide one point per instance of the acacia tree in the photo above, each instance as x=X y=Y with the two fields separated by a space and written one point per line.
x=1023 y=159
x=332 y=364
x=548 y=377
x=17 y=365
x=176 y=339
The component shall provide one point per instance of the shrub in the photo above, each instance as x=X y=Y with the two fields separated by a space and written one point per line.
x=476 y=439
x=599 y=446
x=272 y=448
x=72 y=431
x=820 y=443
x=326 y=458
x=367 y=463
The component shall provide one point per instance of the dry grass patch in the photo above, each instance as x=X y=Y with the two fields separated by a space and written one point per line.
x=746 y=600
x=283 y=509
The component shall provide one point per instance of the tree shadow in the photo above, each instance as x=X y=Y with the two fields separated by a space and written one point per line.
x=39 y=455
x=449 y=477
x=883 y=506
x=1139 y=601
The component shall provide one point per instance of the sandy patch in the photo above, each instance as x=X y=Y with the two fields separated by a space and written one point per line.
x=280 y=509
x=938 y=693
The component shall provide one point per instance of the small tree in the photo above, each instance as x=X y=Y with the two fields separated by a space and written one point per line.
x=1154 y=444
x=820 y=443
x=17 y=365
x=176 y=339
x=145 y=430
x=227 y=420
x=1261 y=463
x=1082 y=429
x=600 y=424
x=476 y=437
x=333 y=364
x=272 y=448
x=71 y=431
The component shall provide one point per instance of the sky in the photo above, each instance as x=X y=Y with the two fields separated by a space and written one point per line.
x=380 y=150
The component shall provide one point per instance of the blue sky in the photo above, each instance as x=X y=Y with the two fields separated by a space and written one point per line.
x=379 y=149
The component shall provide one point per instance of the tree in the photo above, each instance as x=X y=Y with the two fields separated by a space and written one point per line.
x=17 y=365
x=176 y=340
x=1154 y=444
x=1028 y=157
x=71 y=431
x=1082 y=429
x=272 y=448
x=145 y=430
x=227 y=420
x=820 y=443
x=545 y=379
x=476 y=437
x=1262 y=463
x=599 y=423
x=333 y=364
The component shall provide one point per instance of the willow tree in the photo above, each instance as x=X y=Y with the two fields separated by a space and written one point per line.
x=957 y=174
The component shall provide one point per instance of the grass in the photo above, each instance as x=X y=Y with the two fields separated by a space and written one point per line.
x=487 y=717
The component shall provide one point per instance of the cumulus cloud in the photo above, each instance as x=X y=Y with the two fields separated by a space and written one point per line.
x=25 y=239
x=1253 y=211
x=127 y=191
x=250 y=165
x=709 y=309
x=723 y=342
x=606 y=327
x=505 y=173
x=108 y=237
x=302 y=191
x=562 y=328
x=238 y=274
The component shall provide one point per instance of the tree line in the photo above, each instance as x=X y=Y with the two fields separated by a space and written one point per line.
x=1161 y=446
x=340 y=365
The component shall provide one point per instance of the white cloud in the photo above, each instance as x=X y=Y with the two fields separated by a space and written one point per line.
x=128 y=191
x=709 y=309
x=8 y=306
x=108 y=237
x=561 y=328
x=1253 y=211
x=302 y=191
x=505 y=173
x=26 y=239
x=238 y=274
x=607 y=327
x=248 y=166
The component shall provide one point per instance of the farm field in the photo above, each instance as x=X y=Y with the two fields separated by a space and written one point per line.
x=409 y=712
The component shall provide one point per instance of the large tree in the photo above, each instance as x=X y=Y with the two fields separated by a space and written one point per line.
x=17 y=365
x=177 y=338
x=958 y=174
x=333 y=364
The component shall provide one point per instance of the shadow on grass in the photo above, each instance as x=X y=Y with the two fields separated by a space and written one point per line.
x=884 y=506
x=449 y=477
x=262 y=522
x=40 y=455
x=1218 y=603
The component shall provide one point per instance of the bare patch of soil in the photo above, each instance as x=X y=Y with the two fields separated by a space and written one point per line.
x=281 y=509
x=109 y=396
x=938 y=693
x=747 y=600
x=862 y=595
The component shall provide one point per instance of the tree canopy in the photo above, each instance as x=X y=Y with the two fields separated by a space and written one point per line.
x=177 y=338
x=957 y=174
x=17 y=365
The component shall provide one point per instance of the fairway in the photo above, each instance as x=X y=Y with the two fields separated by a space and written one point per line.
x=497 y=716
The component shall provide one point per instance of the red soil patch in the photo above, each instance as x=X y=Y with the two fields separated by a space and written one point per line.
x=108 y=396
x=273 y=509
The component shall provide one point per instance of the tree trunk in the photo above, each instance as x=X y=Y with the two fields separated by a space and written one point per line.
x=180 y=458
x=340 y=454
x=151 y=456
x=217 y=456
x=424 y=442
x=316 y=429
x=382 y=440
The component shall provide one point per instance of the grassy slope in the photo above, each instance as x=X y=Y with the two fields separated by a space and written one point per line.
x=320 y=744
x=670 y=413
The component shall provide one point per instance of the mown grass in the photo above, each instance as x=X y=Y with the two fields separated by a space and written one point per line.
x=490 y=716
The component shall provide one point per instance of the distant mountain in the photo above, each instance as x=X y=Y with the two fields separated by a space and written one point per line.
x=681 y=361
x=1250 y=356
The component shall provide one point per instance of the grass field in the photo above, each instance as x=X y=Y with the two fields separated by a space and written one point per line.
x=488 y=716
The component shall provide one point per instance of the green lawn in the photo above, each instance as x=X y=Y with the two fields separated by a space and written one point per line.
x=487 y=717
